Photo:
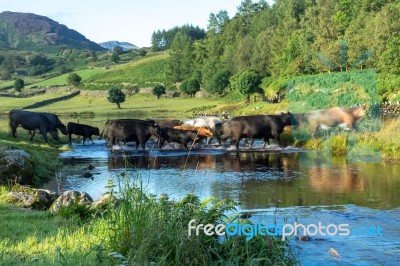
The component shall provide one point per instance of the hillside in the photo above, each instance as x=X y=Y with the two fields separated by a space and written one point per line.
x=26 y=31
x=124 y=45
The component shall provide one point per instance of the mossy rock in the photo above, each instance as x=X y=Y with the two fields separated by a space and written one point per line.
x=16 y=166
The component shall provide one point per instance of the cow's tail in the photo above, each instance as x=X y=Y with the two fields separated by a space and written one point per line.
x=105 y=126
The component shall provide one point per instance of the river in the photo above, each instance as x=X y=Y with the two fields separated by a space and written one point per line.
x=274 y=185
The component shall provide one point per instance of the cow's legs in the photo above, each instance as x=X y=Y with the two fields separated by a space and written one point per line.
x=314 y=130
x=44 y=134
x=266 y=141
x=91 y=140
x=251 y=143
x=33 y=133
x=70 y=138
x=84 y=138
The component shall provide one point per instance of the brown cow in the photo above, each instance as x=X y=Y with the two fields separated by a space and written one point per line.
x=202 y=132
x=328 y=118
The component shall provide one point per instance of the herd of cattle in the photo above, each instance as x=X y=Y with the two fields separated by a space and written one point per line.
x=188 y=131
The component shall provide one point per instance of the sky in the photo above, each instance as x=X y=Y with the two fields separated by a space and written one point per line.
x=133 y=21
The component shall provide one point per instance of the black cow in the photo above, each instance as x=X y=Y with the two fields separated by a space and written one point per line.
x=55 y=124
x=82 y=130
x=42 y=122
x=176 y=135
x=255 y=127
x=127 y=130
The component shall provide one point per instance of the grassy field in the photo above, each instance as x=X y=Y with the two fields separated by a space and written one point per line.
x=62 y=79
x=140 y=103
x=8 y=103
x=141 y=72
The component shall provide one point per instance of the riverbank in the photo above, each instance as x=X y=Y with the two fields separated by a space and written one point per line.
x=133 y=228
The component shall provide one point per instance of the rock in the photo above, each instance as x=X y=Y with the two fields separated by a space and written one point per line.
x=201 y=94
x=40 y=199
x=103 y=202
x=87 y=175
x=16 y=166
x=71 y=197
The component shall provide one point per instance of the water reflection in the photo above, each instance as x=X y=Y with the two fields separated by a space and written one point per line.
x=257 y=179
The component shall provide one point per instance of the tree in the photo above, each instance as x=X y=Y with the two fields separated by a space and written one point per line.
x=116 y=96
x=142 y=52
x=19 y=84
x=158 y=90
x=190 y=86
x=74 y=79
x=219 y=82
x=247 y=82
x=118 y=50
x=180 y=63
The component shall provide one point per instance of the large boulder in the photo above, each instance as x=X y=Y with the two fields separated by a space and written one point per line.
x=71 y=197
x=16 y=166
x=38 y=199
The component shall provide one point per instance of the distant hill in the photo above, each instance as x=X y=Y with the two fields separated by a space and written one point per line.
x=27 y=31
x=112 y=44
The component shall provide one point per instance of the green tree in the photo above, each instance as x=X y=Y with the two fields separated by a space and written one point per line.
x=115 y=95
x=181 y=59
x=190 y=86
x=219 y=82
x=247 y=82
x=118 y=50
x=142 y=52
x=19 y=84
x=74 y=79
x=390 y=60
x=158 y=90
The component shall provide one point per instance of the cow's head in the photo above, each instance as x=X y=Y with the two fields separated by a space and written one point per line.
x=359 y=112
x=63 y=129
x=96 y=131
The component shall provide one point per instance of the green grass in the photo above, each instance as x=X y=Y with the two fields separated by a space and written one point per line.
x=62 y=79
x=135 y=229
x=8 y=103
x=141 y=104
x=141 y=72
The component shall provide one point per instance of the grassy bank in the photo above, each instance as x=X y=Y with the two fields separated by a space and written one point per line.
x=135 y=229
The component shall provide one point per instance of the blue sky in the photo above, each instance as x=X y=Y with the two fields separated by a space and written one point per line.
x=123 y=20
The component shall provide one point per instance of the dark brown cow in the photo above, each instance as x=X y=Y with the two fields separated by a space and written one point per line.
x=127 y=130
x=180 y=136
x=202 y=132
x=255 y=127
x=342 y=117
